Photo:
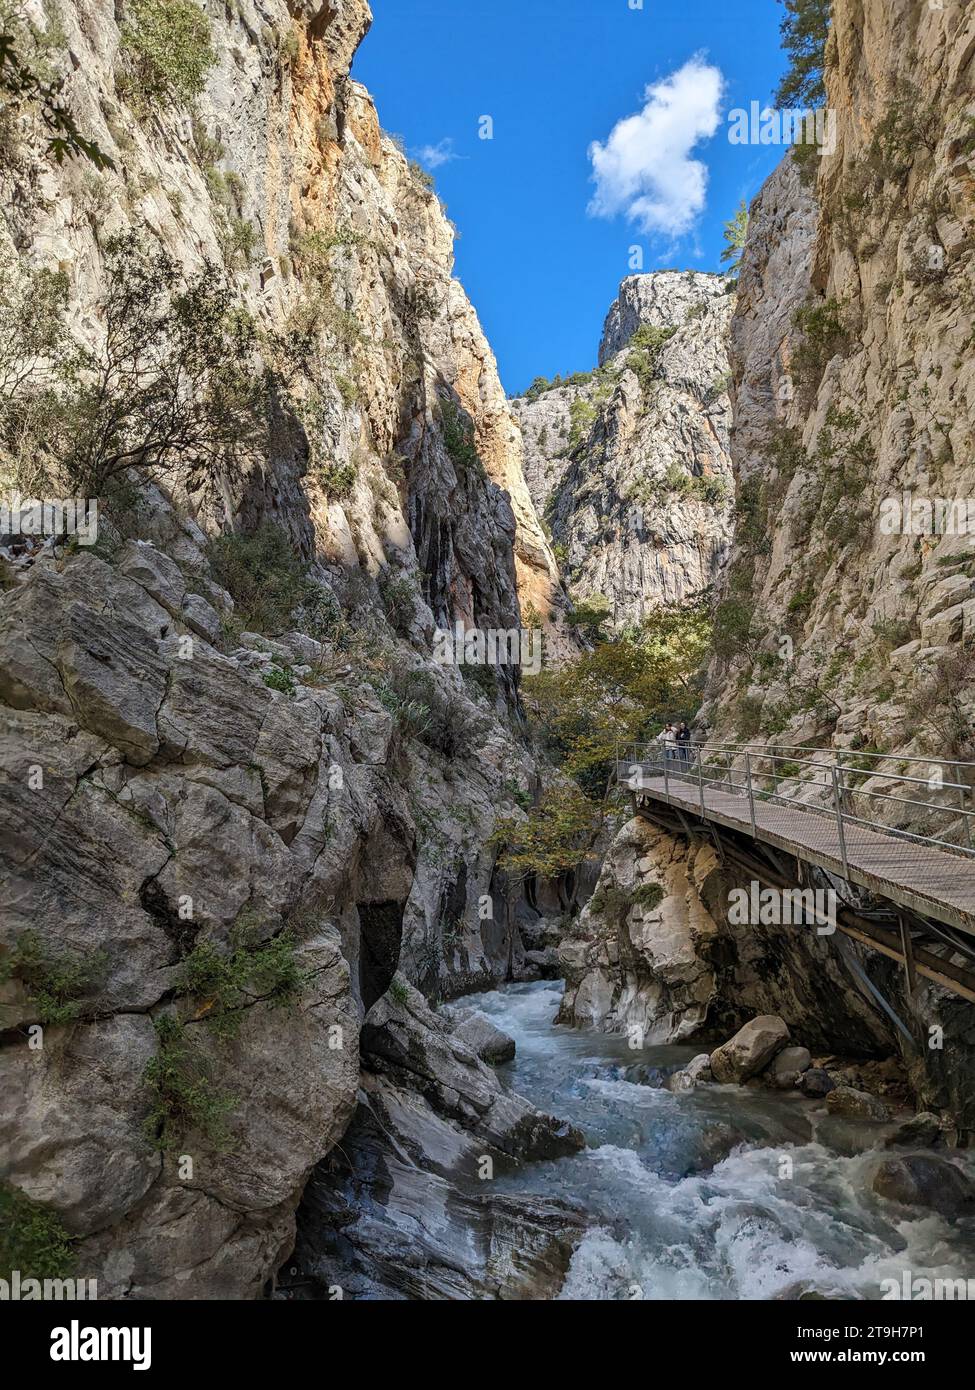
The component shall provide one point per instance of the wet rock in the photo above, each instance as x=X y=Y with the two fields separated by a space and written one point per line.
x=921 y=1180
x=816 y=1083
x=696 y=1073
x=787 y=1068
x=657 y=1078
x=921 y=1132
x=398 y=1212
x=404 y=1040
x=712 y=1146
x=751 y=1049
x=856 y=1105
x=481 y=1036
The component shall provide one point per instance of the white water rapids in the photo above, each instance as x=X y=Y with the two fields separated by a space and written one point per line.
x=787 y=1210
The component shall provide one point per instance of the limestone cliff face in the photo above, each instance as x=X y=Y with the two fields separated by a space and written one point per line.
x=853 y=383
x=631 y=467
x=327 y=785
x=286 y=145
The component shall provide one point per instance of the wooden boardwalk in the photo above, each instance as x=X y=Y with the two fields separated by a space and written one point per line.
x=926 y=880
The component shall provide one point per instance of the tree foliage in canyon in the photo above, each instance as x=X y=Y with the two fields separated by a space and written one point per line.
x=29 y=79
x=804 y=30
x=171 y=384
x=588 y=711
x=735 y=233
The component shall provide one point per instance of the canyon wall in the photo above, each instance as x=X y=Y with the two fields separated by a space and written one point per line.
x=853 y=381
x=630 y=464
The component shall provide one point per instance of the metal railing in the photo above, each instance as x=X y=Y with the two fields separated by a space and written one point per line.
x=855 y=789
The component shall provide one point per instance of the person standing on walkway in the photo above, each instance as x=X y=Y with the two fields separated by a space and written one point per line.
x=669 y=738
x=684 y=742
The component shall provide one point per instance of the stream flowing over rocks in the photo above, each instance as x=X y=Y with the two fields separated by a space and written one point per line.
x=709 y=1193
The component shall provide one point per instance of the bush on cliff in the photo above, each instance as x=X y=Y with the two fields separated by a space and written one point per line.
x=167 y=50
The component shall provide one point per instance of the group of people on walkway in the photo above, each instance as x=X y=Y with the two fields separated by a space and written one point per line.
x=676 y=742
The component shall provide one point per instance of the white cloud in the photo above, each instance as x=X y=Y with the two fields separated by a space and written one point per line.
x=645 y=169
x=435 y=155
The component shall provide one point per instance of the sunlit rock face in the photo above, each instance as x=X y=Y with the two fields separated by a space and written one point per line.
x=631 y=466
x=852 y=385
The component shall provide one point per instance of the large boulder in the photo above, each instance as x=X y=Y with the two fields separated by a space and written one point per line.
x=856 y=1105
x=478 y=1032
x=750 y=1050
x=404 y=1041
x=787 y=1068
x=921 y=1180
x=921 y=1131
x=696 y=1073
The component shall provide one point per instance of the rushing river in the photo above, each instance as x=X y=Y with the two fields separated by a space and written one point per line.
x=718 y=1193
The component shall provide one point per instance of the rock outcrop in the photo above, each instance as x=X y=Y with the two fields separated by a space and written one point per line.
x=402 y=1210
x=852 y=388
x=631 y=465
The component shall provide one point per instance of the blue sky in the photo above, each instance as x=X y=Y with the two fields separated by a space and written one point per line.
x=536 y=257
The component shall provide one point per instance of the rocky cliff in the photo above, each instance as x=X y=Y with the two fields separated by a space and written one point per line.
x=630 y=464
x=852 y=381
x=239 y=792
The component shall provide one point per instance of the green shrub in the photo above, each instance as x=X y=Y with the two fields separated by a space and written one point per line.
x=265 y=577
x=168 y=49
x=336 y=479
x=429 y=712
x=266 y=972
x=649 y=896
x=182 y=1095
x=54 y=983
x=582 y=416
x=645 y=348
x=399 y=990
x=458 y=438
x=422 y=176
x=591 y=615
x=32 y=1238
x=281 y=678
x=732 y=627
x=823 y=337
x=172 y=388
x=399 y=598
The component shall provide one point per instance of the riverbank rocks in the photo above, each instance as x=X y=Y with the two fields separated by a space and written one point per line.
x=816 y=1083
x=922 y=1131
x=480 y=1035
x=636 y=957
x=696 y=1073
x=787 y=1068
x=921 y=1180
x=856 y=1105
x=750 y=1050
x=405 y=1042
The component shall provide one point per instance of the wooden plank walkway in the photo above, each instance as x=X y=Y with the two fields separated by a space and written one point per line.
x=918 y=876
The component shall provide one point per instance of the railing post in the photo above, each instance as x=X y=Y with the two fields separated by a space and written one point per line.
x=751 y=791
x=666 y=774
x=961 y=804
x=700 y=781
x=838 y=806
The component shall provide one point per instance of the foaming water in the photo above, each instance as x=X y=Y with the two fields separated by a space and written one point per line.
x=717 y=1193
